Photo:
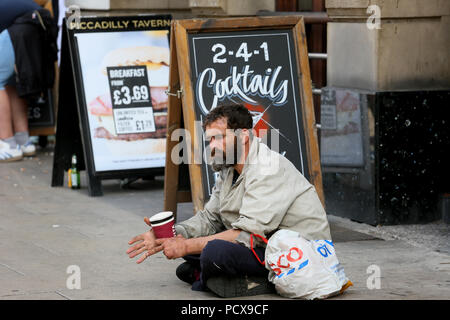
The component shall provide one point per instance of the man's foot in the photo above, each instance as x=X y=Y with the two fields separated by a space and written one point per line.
x=28 y=149
x=229 y=287
x=8 y=154
x=187 y=272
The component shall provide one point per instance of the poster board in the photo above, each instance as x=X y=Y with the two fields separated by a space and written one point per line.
x=42 y=114
x=341 y=128
x=261 y=62
x=117 y=69
x=41 y=111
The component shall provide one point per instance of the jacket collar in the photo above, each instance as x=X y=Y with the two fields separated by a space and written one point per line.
x=252 y=156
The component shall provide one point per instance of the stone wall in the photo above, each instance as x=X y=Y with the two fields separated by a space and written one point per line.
x=410 y=50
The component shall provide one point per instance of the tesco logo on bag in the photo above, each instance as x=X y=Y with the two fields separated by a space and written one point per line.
x=287 y=265
x=284 y=262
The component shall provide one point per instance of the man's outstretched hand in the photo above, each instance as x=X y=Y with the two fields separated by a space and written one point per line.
x=146 y=244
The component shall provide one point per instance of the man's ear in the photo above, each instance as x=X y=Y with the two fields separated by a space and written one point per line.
x=245 y=136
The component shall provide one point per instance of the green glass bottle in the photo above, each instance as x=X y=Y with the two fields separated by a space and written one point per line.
x=75 y=175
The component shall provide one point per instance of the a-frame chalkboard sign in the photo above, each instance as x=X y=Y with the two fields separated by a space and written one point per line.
x=112 y=110
x=260 y=62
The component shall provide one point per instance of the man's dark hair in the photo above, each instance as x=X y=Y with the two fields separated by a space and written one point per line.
x=238 y=117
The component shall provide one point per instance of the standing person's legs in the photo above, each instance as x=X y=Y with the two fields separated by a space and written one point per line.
x=19 y=110
x=6 y=126
x=13 y=109
x=9 y=151
x=6 y=74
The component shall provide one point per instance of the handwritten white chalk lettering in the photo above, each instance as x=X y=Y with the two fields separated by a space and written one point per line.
x=242 y=84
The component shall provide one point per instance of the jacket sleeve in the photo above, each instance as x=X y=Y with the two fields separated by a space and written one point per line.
x=205 y=222
x=265 y=203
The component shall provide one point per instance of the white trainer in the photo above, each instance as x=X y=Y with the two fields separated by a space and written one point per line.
x=8 y=154
x=28 y=149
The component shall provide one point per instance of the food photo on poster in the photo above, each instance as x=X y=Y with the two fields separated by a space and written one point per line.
x=125 y=75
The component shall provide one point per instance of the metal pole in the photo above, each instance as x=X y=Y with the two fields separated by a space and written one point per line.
x=318 y=56
x=308 y=16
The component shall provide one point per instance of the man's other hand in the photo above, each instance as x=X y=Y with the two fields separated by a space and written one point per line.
x=173 y=247
x=146 y=244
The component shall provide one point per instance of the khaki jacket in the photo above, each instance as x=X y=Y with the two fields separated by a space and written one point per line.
x=270 y=194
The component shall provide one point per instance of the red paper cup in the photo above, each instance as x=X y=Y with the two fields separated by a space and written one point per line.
x=163 y=224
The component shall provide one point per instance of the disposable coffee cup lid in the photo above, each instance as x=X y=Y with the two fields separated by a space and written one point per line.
x=161 y=217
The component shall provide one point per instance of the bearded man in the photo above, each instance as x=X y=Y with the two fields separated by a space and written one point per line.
x=258 y=191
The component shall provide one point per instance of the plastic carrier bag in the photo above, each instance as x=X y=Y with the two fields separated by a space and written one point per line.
x=304 y=269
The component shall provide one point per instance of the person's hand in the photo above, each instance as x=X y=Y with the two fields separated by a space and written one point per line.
x=173 y=247
x=146 y=243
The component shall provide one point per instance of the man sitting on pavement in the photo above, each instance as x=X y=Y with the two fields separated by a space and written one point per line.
x=249 y=197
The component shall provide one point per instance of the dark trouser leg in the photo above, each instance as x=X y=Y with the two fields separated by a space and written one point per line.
x=189 y=271
x=221 y=257
x=193 y=259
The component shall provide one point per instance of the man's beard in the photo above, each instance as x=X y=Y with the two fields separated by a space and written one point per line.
x=222 y=161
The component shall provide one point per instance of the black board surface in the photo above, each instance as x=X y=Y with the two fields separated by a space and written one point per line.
x=258 y=69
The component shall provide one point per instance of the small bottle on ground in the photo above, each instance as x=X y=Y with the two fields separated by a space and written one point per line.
x=74 y=174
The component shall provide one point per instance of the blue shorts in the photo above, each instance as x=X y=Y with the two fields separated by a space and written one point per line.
x=7 y=60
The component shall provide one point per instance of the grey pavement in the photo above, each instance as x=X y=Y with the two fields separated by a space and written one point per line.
x=44 y=231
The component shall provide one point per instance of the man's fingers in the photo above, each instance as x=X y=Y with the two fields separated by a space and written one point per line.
x=154 y=250
x=157 y=249
x=147 y=221
x=138 y=252
x=149 y=253
x=137 y=238
x=170 y=253
x=143 y=257
x=136 y=247
x=166 y=253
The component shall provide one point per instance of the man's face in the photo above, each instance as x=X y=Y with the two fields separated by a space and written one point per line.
x=223 y=146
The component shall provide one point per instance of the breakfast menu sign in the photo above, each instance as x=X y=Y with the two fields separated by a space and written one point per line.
x=130 y=96
x=124 y=73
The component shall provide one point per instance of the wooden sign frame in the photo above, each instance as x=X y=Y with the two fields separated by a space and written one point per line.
x=182 y=99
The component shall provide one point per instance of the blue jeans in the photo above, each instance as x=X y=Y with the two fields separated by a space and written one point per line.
x=221 y=257
x=7 y=60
